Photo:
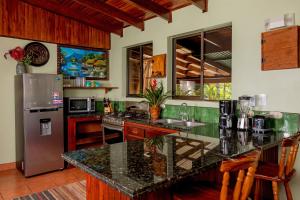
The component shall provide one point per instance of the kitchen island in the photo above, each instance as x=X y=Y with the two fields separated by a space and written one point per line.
x=146 y=169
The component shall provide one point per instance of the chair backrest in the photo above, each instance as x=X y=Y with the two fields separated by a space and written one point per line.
x=244 y=183
x=289 y=150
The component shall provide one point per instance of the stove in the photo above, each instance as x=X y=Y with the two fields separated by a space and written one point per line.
x=113 y=123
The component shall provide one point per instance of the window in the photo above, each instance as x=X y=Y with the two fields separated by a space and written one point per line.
x=202 y=65
x=139 y=62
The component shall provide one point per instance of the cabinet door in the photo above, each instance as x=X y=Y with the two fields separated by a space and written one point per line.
x=280 y=49
x=150 y=133
x=135 y=133
x=133 y=138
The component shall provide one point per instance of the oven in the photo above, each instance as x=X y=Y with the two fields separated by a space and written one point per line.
x=113 y=123
x=112 y=133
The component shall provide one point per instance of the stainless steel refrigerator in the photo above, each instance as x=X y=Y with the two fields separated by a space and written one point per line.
x=39 y=123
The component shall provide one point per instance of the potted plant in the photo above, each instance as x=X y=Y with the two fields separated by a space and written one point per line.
x=23 y=60
x=155 y=96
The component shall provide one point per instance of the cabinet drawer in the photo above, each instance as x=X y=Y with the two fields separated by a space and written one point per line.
x=133 y=138
x=154 y=133
x=134 y=131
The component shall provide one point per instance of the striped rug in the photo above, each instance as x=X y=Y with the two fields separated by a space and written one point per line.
x=73 y=191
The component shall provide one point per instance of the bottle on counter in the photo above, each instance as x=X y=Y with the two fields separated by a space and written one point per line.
x=107 y=106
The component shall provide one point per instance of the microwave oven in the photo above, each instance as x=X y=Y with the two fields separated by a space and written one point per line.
x=81 y=104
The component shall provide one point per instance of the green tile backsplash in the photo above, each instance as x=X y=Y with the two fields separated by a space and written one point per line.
x=203 y=114
x=288 y=123
x=116 y=105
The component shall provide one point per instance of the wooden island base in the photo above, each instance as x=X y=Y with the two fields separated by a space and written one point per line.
x=98 y=190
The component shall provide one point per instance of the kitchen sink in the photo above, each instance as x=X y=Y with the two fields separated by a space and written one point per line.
x=167 y=121
x=179 y=123
x=188 y=124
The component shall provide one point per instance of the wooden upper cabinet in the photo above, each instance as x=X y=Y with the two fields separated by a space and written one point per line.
x=280 y=49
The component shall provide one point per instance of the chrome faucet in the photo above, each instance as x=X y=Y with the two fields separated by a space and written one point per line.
x=184 y=112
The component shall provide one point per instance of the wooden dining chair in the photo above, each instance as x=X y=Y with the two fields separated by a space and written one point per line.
x=242 y=187
x=279 y=173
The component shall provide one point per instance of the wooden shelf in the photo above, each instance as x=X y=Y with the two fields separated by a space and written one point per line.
x=88 y=140
x=107 y=89
x=89 y=145
x=112 y=136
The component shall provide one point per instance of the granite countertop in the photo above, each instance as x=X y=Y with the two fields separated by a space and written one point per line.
x=134 y=168
x=90 y=114
x=208 y=129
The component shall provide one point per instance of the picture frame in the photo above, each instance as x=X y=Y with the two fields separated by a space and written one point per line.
x=76 y=61
x=159 y=66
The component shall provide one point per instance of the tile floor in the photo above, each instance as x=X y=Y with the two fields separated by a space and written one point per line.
x=13 y=183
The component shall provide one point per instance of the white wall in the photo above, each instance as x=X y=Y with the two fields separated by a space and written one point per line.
x=247 y=17
x=7 y=72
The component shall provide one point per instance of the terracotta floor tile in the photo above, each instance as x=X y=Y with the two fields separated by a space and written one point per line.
x=63 y=177
x=10 y=174
x=40 y=183
x=13 y=183
x=80 y=174
x=15 y=192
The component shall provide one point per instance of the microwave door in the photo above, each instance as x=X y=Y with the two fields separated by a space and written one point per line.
x=78 y=105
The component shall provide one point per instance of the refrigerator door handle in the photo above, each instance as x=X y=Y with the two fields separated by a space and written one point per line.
x=48 y=109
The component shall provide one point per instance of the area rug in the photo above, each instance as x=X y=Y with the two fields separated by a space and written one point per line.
x=73 y=191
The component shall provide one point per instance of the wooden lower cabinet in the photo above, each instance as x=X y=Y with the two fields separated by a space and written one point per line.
x=135 y=131
x=84 y=132
x=99 y=190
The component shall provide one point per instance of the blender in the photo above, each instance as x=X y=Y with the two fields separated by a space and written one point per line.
x=245 y=104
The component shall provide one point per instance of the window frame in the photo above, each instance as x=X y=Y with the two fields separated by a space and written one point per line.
x=140 y=46
x=173 y=57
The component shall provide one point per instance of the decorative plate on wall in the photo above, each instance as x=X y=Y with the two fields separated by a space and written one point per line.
x=38 y=52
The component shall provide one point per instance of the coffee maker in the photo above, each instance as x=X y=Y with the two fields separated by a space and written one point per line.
x=245 y=104
x=228 y=118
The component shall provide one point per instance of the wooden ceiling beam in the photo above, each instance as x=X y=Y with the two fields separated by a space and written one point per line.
x=217 y=79
x=113 y=12
x=180 y=63
x=202 y=4
x=213 y=65
x=181 y=71
x=75 y=15
x=193 y=67
x=218 y=66
x=154 y=8
x=193 y=74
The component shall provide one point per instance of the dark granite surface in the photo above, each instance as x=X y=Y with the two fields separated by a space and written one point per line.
x=90 y=114
x=135 y=168
x=207 y=129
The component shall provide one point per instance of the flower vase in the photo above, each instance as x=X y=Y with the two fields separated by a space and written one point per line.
x=20 y=68
x=154 y=112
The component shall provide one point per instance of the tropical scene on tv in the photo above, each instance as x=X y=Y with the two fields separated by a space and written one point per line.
x=76 y=62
